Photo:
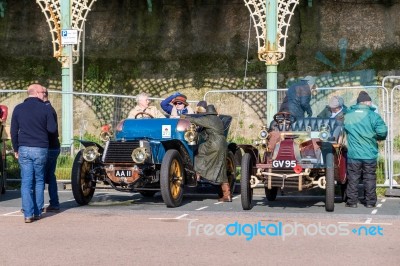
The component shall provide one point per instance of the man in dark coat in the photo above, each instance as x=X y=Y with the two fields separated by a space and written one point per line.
x=299 y=97
x=210 y=162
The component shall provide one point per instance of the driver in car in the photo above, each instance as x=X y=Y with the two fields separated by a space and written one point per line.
x=143 y=110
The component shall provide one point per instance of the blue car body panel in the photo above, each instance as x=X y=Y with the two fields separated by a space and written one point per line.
x=158 y=132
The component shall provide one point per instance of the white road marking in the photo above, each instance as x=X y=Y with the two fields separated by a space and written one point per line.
x=202 y=208
x=13 y=213
x=368 y=221
x=180 y=217
x=374 y=211
x=383 y=200
x=236 y=197
x=219 y=202
x=379 y=205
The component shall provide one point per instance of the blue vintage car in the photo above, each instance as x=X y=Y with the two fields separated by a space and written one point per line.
x=146 y=155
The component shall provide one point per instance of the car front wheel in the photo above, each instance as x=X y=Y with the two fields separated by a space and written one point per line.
x=171 y=179
x=82 y=186
x=330 y=184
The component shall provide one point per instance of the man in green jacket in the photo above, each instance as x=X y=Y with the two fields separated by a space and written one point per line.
x=364 y=128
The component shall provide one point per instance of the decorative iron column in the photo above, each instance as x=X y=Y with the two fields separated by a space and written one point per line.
x=66 y=19
x=67 y=80
x=271 y=61
x=271 y=20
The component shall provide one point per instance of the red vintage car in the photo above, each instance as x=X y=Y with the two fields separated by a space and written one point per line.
x=295 y=155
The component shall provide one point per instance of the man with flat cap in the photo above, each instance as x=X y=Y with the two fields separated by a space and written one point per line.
x=335 y=109
x=210 y=162
x=364 y=128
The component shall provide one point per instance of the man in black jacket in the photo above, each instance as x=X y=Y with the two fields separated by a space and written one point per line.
x=52 y=155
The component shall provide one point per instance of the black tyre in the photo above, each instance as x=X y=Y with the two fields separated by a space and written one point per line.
x=82 y=186
x=330 y=184
x=271 y=193
x=245 y=190
x=147 y=193
x=171 y=179
x=231 y=170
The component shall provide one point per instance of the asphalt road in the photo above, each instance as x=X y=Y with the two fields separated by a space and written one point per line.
x=127 y=229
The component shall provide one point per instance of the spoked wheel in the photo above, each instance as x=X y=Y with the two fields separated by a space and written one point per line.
x=231 y=171
x=245 y=190
x=330 y=184
x=82 y=186
x=271 y=193
x=171 y=179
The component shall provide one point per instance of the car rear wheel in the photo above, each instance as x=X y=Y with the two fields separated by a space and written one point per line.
x=171 y=179
x=330 y=184
x=271 y=193
x=82 y=186
x=245 y=190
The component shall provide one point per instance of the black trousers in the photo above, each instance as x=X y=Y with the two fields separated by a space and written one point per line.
x=367 y=170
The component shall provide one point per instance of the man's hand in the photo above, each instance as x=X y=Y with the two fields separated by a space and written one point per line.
x=16 y=155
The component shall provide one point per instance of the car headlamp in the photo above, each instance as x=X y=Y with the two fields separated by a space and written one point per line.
x=91 y=153
x=191 y=135
x=263 y=134
x=139 y=155
x=324 y=133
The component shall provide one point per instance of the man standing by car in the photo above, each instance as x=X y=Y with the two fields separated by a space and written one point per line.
x=210 y=161
x=52 y=155
x=31 y=123
x=299 y=97
x=364 y=128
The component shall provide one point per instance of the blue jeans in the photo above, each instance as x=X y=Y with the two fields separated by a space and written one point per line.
x=32 y=162
x=50 y=176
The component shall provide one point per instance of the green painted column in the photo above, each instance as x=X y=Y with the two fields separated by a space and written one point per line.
x=271 y=62
x=67 y=81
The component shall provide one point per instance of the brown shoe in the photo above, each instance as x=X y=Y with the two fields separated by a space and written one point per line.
x=51 y=209
x=226 y=192
x=29 y=220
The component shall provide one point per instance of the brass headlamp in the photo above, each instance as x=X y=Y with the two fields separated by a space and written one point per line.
x=191 y=135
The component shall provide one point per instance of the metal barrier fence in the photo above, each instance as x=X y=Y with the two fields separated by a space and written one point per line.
x=247 y=107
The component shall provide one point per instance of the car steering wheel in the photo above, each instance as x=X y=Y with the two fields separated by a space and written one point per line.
x=143 y=113
x=284 y=117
